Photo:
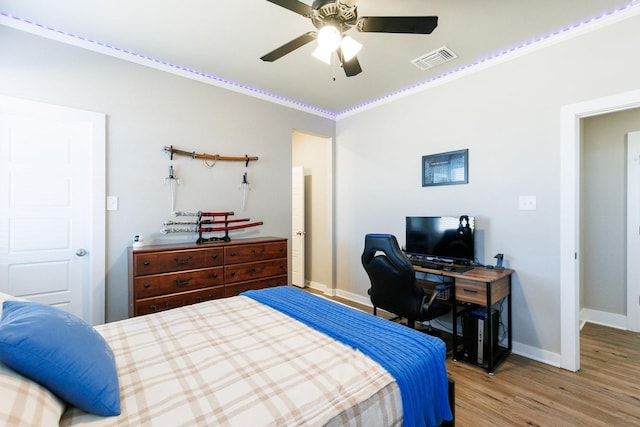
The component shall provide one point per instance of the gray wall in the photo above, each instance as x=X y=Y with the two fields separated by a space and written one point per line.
x=508 y=116
x=147 y=110
x=604 y=215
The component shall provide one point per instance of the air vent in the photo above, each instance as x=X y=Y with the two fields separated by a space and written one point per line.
x=435 y=58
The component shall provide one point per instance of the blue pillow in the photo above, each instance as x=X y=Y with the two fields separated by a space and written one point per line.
x=61 y=352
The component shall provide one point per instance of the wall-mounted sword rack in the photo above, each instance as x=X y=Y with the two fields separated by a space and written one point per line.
x=206 y=222
x=210 y=157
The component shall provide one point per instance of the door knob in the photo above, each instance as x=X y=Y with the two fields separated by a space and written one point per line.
x=81 y=252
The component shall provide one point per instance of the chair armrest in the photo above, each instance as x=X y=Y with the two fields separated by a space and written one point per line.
x=443 y=287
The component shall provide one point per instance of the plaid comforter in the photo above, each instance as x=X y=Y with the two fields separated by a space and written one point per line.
x=237 y=362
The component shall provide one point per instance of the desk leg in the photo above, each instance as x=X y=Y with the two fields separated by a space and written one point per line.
x=509 y=334
x=454 y=320
x=490 y=366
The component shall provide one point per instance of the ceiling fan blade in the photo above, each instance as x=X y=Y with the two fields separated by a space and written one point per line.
x=397 y=24
x=294 y=6
x=289 y=47
x=351 y=67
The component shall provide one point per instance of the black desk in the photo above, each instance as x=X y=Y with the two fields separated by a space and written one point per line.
x=478 y=288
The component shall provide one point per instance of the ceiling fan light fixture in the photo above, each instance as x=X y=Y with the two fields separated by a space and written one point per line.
x=329 y=38
x=350 y=47
x=322 y=54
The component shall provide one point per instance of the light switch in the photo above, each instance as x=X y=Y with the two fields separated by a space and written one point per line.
x=112 y=203
x=527 y=203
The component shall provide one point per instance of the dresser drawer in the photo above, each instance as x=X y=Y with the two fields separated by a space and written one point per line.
x=167 y=283
x=255 y=270
x=163 y=262
x=238 y=288
x=153 y=305
x=255 y=252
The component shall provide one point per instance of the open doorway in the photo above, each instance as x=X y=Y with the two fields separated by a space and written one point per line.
x=605 y=209
x=570 y=221
x=315 y=155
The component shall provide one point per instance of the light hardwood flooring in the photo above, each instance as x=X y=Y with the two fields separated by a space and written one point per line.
x=523 y=392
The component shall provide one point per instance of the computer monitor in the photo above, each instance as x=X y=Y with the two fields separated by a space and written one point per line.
x=441 y=238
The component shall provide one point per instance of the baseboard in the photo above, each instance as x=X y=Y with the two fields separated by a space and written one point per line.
x=354 y=297
x=320 y=287
x=612 y=320
x=537 y=354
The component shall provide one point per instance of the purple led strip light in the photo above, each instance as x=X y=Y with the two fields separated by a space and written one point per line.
x=488 y=58
x=170 y=65
x=320 y=110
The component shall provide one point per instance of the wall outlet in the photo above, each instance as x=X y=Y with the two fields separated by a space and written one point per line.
x=527 y=203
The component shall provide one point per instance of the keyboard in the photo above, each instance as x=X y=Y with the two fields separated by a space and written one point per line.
x=427 y=264
x=437 y=266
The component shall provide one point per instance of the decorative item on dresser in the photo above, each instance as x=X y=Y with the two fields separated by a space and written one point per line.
x=163 y=277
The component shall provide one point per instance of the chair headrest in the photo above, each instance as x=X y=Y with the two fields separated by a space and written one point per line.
x=388 y=245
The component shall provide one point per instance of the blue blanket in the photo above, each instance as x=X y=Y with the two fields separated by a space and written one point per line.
x=416 y=360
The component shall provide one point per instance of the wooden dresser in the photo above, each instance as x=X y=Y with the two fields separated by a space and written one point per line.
x=168 y=276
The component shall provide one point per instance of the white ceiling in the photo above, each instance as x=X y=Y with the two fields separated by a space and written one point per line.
x=225 y=39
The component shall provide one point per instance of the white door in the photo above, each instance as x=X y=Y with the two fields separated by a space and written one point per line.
x=297 y=227
x=52 y=206
x=633 y=231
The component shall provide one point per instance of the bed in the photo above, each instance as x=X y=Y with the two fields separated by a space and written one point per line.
x=274 y=357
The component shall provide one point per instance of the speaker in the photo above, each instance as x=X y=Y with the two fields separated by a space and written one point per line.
x=475 y=335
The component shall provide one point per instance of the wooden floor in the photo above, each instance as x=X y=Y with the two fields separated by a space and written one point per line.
x=523 y=392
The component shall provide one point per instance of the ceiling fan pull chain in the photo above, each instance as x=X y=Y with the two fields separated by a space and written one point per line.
x=333 y=65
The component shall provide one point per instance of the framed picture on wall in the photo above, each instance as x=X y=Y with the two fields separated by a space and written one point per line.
x=445 y=168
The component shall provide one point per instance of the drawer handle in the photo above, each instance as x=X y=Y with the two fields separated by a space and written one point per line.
x=147 y=285
x=208 y=298
x=470 y=291
x=182 y=261
x=213 y=275
x=233 y=273
x=214 y=256
x=153 y=307
x=146 y=263
x=233 y=254
x=184 y=282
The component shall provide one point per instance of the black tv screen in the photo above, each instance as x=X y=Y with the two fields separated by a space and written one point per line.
x=448 y=239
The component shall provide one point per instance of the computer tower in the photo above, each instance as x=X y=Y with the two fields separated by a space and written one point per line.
x=475 y=335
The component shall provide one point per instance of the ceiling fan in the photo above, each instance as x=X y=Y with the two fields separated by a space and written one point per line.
x=333 y=18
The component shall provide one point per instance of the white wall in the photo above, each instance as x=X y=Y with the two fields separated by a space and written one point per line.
x=508 y=116
x=147 y=110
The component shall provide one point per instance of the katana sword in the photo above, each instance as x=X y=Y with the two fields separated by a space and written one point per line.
x=204 y=221
x=211 y=229
x=245 y=188
x=182 y=213
x=173 y=181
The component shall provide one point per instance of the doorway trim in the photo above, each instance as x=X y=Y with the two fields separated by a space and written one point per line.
x=570 y=142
